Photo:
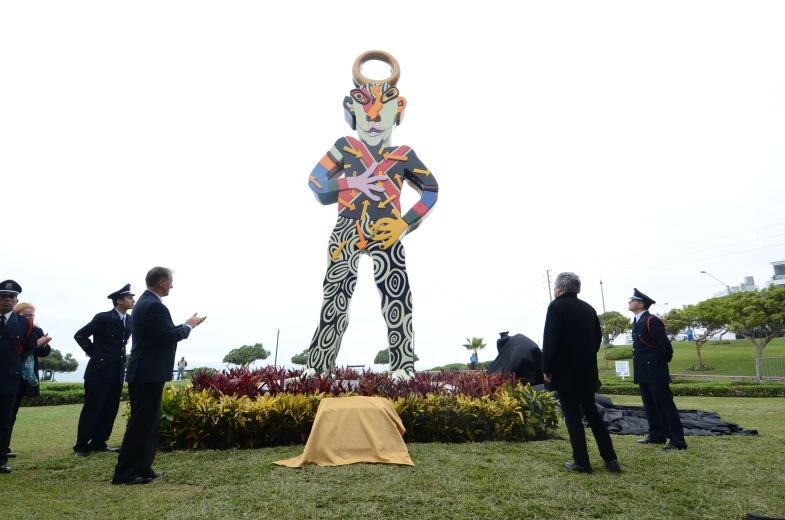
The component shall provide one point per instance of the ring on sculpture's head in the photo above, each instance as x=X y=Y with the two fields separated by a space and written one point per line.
x=386 y=57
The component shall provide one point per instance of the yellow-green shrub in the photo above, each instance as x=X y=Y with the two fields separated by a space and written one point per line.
x=200 y=420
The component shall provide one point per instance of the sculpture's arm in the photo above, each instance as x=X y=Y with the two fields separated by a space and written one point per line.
x=323 y=179
x=389 y=230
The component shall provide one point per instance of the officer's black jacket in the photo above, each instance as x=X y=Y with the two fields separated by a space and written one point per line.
x=649 y=350
x=155 y=339
x=107 y=349
x=10 y=360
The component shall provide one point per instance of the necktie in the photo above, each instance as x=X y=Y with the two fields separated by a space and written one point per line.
x=2 y=322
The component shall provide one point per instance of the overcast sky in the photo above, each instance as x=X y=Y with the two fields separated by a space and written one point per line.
x=633 y=143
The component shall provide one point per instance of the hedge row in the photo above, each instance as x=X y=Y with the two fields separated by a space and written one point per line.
x=198 y=419
x=700 y=388
x=54 y=395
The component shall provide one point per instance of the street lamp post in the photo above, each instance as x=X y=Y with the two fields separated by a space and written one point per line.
x=723 y=283
x=603 y=297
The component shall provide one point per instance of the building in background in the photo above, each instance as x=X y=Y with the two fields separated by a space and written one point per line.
x=779 y=274
x=747 y=285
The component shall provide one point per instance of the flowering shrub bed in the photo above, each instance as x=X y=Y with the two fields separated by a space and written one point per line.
x=243 y=409
x=270 y=379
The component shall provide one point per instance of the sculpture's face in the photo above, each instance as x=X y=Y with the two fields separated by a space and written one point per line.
x=376 y=109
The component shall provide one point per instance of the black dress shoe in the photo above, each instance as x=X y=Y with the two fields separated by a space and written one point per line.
x=671 y=447
x=613 y=466
x=649 y=440
x=156 y=474
x=80 y=454
x=130 y=482
x=4 y=468
x=10 y=455
x=575 y=467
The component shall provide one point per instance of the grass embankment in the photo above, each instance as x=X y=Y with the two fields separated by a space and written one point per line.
x=716 y=478
x=736 y=358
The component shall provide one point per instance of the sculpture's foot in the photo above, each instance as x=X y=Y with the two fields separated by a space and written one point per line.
x=401 y=374
x=308 y=372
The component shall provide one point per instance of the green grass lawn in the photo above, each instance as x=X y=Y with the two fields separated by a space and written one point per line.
x=734 y=359
x=717 y=477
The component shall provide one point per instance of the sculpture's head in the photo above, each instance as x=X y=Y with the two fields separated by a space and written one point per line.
x=374 y=108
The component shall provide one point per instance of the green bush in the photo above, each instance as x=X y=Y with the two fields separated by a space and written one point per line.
x=461 y=366
x=620 y=353
x=55 y=395
x=193 y=419
x=696 y=388
x=61 y=387
x=200 y=370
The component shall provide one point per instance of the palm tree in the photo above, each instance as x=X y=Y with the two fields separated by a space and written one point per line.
x=474 y=344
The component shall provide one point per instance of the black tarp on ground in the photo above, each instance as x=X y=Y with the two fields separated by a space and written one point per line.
x=631 y=420
x=520 y=356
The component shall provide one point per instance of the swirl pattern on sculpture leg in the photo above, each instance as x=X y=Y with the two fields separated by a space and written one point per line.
x=392 y=282
x=338 y=288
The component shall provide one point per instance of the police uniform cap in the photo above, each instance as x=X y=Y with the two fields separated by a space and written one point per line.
x=506 y=333
x=10 y=287
x=125 y=291
x=637 y=295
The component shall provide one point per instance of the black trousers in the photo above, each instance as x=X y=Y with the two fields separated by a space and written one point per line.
x=17 y=403
x=101 y=403
x=571 y=404
x=6 y=424
x=141 y=434
x=661 y=412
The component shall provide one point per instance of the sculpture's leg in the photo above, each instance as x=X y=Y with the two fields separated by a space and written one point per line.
x=343 y=258
x=389 y=270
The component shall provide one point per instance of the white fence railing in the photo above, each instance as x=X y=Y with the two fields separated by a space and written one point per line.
x=772 y=368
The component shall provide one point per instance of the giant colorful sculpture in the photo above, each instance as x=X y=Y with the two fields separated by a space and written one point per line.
x=363 y=176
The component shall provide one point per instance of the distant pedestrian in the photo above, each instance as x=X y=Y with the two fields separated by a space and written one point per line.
x=571 y=341
x=181 y=368
x=652 y=351
x=473 y=360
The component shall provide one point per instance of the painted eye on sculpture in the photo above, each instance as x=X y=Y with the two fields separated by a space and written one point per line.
x=390 y=94
x=359 y=96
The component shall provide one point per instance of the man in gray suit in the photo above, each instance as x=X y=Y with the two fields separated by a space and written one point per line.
x=155 y=338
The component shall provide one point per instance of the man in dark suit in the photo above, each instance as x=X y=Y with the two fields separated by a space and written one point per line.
x=651 y=352
x=103 y=377
x=16 y=342
x=569 y=364
x=155 y=339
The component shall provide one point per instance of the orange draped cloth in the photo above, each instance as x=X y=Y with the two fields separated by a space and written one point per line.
x=348 y=430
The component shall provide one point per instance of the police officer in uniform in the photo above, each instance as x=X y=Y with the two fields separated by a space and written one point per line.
x=16 y=341
x=105 y=372
x=652 y=351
